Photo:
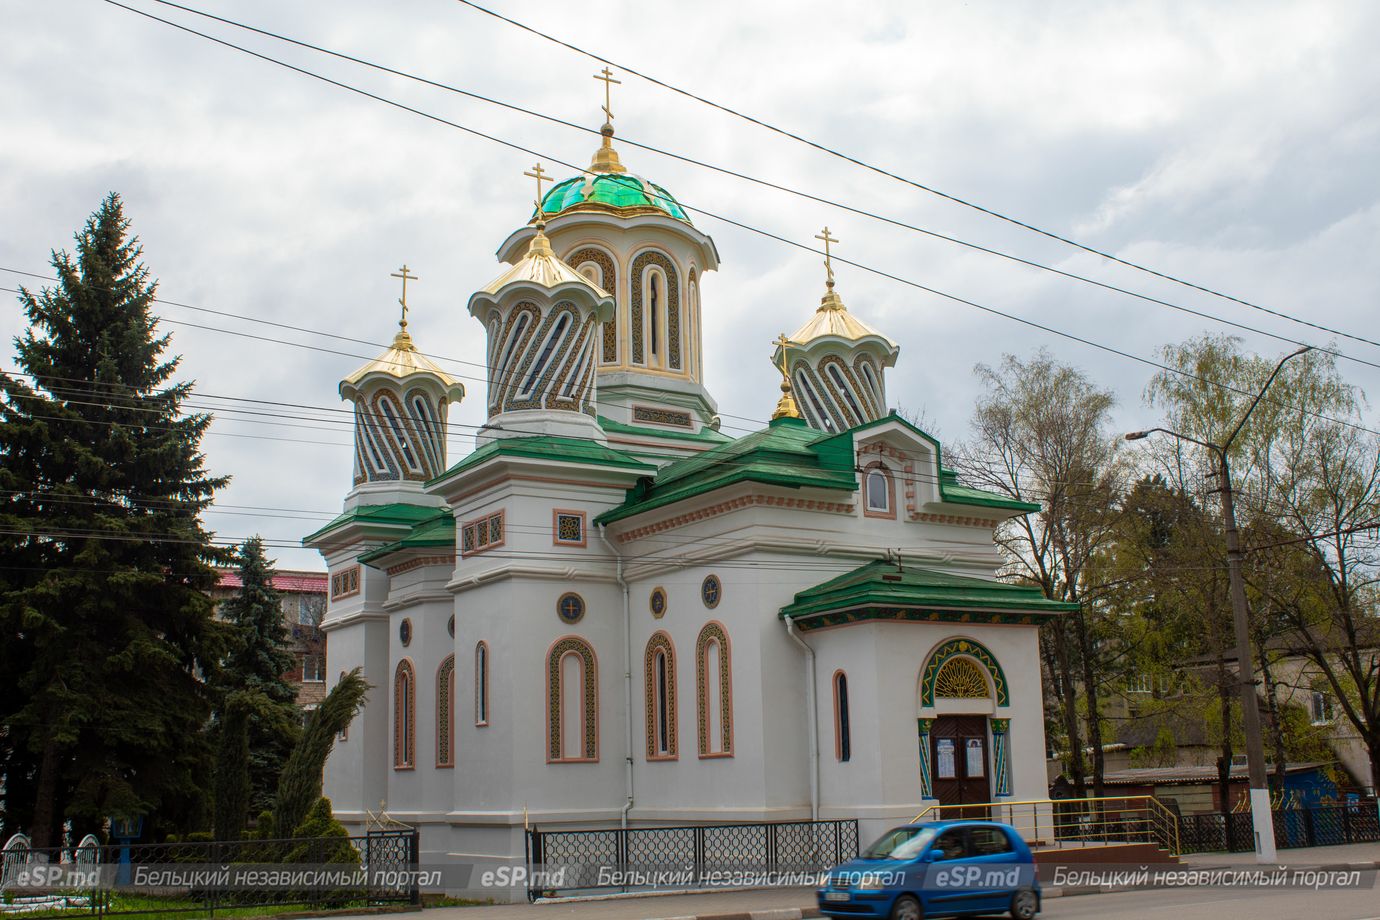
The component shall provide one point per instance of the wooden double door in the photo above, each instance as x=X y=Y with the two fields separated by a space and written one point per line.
x=959 y=759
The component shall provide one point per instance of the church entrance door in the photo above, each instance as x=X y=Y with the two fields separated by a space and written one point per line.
x=958 y=751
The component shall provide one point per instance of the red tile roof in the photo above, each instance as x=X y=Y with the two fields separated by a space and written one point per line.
x=291 y=582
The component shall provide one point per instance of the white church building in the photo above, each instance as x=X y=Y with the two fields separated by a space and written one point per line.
x=613 y=612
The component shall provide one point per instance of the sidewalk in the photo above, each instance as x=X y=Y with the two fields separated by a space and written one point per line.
x=798 y=903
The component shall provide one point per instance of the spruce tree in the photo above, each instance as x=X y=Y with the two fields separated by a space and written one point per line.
x=105 y=567
x=299 y=788
x=257 y=662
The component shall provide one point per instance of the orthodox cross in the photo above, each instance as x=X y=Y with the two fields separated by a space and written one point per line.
x=536 y=172
x=782 y=342
x=607 y=76
x=828 y=260
x=403 y=274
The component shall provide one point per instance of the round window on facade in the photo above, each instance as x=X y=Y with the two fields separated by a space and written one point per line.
x=405 y=632
x=450 y=626
x=570 y=608
x=711 y=591
x=658 y=602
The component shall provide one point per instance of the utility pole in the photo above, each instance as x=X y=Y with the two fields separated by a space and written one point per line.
x=1262 y=817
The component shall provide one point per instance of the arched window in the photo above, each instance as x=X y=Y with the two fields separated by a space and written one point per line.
x=572 y=701
x=655 y=308
x=404 y=716
x=843 y=737
x=714 y=696
x=445 y=713
x=879 y=491
x=481 y=684
x=659 y=666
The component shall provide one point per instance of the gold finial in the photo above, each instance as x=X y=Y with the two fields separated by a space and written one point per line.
x=828 y=256
x=403 y=274
x=786 y=407
x=606 y=76
x=606 y=158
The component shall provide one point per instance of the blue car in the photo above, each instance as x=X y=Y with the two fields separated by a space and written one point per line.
x=937 y=869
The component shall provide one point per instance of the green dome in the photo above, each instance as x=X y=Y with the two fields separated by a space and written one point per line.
x=603 y=191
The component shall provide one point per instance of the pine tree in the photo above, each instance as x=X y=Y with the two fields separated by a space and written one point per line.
x=259 y=658
x=104 y=606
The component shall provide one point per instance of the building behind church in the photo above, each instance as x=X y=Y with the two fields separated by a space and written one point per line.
x=611 y=611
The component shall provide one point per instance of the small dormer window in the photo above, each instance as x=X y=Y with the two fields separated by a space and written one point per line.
x=877 y=491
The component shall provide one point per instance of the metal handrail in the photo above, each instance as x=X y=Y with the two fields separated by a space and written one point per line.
x=1145 y=813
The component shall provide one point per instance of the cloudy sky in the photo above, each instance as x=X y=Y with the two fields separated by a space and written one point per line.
x=1231 y=144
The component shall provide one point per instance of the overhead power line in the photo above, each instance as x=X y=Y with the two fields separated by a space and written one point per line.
x=799 y=193
x=967 y=203
x=713 y=215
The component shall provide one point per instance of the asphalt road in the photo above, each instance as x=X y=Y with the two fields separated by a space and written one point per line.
x=1220 y=904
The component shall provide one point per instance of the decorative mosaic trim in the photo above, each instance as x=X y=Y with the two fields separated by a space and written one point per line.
x=714 y=633
x=660 y=643
x=570 y=608
x=404 y=716
x=876 y=394
x=420 y=562
x=859 y=405
x=956 y=519
x=509 y=347
x=560 y=345
x=608 y=280
x=926 y=775
x=961 y=679
x=745 y=501
x=482 y=534
x=445 y=713
x=657 y=602
x=568 y=527
x=915 y=615
x=711 y=591
x=659 y=416
x=345 y=583
x=555 y=693
x=972 y=649
x=1001 y=742
x=668 y=268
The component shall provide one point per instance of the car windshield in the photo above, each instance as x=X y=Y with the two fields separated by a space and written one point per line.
x=900 y=843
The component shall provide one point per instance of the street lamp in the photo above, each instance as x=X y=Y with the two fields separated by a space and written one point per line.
x=1261 y=817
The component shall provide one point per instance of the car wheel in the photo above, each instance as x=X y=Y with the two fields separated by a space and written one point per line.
x=1024 y=904
x=906 y=908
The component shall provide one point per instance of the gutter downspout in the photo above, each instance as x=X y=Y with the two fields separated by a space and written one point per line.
x=627 y=670
x=812 y=717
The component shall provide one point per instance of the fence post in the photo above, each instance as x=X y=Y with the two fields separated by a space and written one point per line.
x=697 y=851
x=1346 y=823
x=414 y=859
x=771 y=846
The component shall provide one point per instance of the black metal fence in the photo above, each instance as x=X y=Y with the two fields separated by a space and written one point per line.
x=1318 y=826
x=202 y=878
x=685 y=857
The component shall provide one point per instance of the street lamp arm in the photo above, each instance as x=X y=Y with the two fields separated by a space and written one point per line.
x=1261 y=395
x=1138 y=435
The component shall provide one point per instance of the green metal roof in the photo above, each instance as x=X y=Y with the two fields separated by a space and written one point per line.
x=548 y=447
x=435 y=532
x=878 y=586
x=787 y=452
x=398 y=514
x=610 y=190
x=790 y=453
x=703 y=436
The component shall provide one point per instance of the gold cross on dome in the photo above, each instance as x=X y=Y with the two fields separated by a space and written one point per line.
x=828 y=258
x=536 y=172
x=607 y=76
x=403 y=274
x=781 y=342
